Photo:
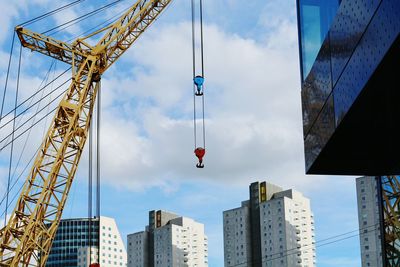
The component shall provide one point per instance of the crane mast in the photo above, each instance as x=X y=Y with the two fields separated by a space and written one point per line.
x=27 y=238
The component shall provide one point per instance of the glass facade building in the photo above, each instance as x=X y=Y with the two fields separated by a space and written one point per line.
x=73 y=248
x=70 y=237
x=350 y=89
x=350 y=99
x=314 y=18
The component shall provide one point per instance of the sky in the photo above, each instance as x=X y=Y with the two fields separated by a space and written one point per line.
x=253 y=119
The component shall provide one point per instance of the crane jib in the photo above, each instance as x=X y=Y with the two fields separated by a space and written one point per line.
x=27 y=237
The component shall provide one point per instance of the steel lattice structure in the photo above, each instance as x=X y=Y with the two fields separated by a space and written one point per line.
x=390 y=186
x=27 y=238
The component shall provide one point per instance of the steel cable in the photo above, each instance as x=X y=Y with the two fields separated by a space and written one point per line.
x=194 y=74
x=74 y=21
x=18 y=136
x=33 y=95
x=37 y=150
x=7 y=76
x=98 y=165
x=55 y=11
x=203 y=132
x=54 y=63
x=34 y=104
x=12 y=142
x=106 y=24
x=26 y=141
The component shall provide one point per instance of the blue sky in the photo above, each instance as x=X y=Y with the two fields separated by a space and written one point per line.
x=253 y=110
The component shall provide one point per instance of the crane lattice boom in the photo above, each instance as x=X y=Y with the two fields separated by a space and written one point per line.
x=27 y=238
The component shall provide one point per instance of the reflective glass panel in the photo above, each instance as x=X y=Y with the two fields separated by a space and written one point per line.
x=315 y=18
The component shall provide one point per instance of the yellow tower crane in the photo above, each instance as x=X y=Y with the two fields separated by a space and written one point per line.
x=28 y=236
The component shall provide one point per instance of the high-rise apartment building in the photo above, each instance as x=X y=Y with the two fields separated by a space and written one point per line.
x=369 y=221
x=274 y=227
x=72 y=248
x=169 y=240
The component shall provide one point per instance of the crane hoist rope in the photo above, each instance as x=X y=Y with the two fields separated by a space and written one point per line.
x=198 y=85
x=98 y=191
x=94 y=185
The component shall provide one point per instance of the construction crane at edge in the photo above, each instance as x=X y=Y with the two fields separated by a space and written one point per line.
x=27 y=237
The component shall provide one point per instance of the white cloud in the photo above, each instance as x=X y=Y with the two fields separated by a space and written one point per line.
x=253 y=111
x=254 y=125
x=252 y=107
x=15 y=10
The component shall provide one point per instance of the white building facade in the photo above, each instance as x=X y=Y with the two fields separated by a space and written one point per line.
x=369 y=221
x=237 y=237
x=274 y=228
x=287 y=231
x=138 y=255
x=179 y=241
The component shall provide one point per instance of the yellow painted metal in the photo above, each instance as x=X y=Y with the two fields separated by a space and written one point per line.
x=391 y=221
x=27 y=238
x=52 y=47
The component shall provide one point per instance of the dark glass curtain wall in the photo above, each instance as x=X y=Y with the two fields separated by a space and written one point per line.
x=314 y=20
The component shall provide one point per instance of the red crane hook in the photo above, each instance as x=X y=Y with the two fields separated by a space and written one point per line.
x=200 y=152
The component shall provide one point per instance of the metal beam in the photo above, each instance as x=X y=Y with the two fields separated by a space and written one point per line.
x=390 y=188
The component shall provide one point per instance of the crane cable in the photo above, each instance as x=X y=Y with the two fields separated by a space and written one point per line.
x=90 y=190
x=53 y=64
x=5 y=139
x=30 y=103
x=198 y=86
x=15 y=181
x=12 y=143
x=102 y=25
x=7 y=76
x=1 y=112
x=98 y=167
x=12 y=134
x=11 y=175
x=94 y=132
x=27 y=139
x=74 y=21
x=33 y=117
x=37 y=92
x=50 y=13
